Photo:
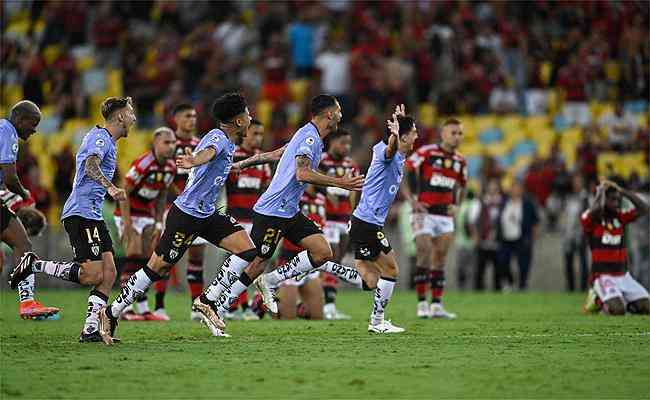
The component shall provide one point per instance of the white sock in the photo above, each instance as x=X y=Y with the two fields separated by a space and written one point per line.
x=26 y=288
x=296 y=266
x=135 y=287
x=143 y=305
x=348 y=274
x=227 y=275
x=68 y=271
x=96 y=301
x=383 y=292
x=229 y=297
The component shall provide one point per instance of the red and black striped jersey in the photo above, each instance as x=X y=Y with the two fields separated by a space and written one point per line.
x=182 y=173
x=439 y=173
x=330 y=166
x=14 y=201
x=244 y=188
x=148 y=179
x=313 y=206
x=607 y=241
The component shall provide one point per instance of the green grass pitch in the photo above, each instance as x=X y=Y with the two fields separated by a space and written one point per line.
x=502 y=346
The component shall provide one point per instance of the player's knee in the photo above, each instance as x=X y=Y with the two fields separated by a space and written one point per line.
x=615 y=307
x=321 y=255
x=248 y=255
x=391 y=271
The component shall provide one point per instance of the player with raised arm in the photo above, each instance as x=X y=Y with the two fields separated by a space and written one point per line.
x=604 y=226
x=437 y=174
x=277 y=212
x=139 y=219
x=93 y=263
x=194 y=214
x=184 y=116
x=340 y=203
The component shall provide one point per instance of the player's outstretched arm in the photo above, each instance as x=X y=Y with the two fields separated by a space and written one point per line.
x=304 y=173
x=190 y=160
x=258 y=159
x=93 y=171
x=13 y=182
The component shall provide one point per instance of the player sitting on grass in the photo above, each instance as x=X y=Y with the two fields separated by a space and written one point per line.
x=604 y=226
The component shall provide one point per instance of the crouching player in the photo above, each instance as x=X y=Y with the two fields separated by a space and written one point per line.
x=604 y=226
x=139 y=218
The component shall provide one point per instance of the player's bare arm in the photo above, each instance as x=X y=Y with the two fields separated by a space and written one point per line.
x=640 y=205
x=93 y=171
x=13 y=182
x=408 y=190
x=304 y=173
x=189 y=160
x=258 y=159
x=125 y=208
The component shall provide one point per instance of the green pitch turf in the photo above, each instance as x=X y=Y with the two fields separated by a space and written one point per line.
x=502 y=346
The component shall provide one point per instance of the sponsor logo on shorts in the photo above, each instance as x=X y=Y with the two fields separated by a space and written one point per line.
x=173 y=254
x=364 y=251
x=265 y=249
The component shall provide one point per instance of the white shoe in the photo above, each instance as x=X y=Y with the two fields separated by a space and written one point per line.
x=162 y=314
x=423 y=310
x=194 y=316
x=385 y=327
x=438 y=311
x=214 y=330
x=331 y=313
x=268 y=293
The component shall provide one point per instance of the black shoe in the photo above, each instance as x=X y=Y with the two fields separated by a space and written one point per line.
x=22 y=270
x=93 y=337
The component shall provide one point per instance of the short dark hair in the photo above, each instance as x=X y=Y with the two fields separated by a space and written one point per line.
x=182 y=107
x=321 y=102
x=406 y=123
x=451 y=121
x=24 y=109
x=228 y=106
x=256 y=122
x=114 y=104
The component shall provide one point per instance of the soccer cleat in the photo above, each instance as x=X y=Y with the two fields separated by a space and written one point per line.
x=195 y=316
x=339 y=316
x=215 y=331
x=93 y=337
x=268 y=294
x=32 y=309
x=209 y=315
x=149 y=316
x=107 y=326
x=249 y=315
x=384 y=327
x=131 y=316
x=162 y=314
x=331 y=313
x=438 y=311
x=22 y=270
x=423 y=310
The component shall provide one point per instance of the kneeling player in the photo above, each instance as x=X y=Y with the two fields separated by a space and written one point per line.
x=139 y=218
x=604 y=225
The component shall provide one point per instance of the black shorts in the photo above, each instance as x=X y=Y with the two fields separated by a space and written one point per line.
x=5 y=217
x=181 y=229
x=89 y=238
x=267 y=231
x=368 y=240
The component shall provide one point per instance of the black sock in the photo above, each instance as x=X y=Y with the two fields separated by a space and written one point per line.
x=330 y=294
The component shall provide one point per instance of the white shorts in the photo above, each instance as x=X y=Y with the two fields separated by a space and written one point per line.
x=138 y=223
x=333 y=231
x=608 y=287
x=301 y=280
x=432 y=225
x=199 y=241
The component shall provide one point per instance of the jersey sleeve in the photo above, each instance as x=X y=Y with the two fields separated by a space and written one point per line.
x=628 y=216
x=8 y=151
x=308 y=148
x=96 y=145
x=414 y=161
x=587 y=222
x=135 y=174
x=217 y=143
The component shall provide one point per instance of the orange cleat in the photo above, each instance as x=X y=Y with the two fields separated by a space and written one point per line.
x=149 y=316
x=32 y=309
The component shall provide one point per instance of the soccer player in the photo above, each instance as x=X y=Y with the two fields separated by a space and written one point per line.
x=277 y=213
x=82 y=215
x=194 y=214
x=23 y=120
x=184 y=116
x=439 y=174
x=340 y=203
x=604 y=225
x=139 y=219
x=243 y=188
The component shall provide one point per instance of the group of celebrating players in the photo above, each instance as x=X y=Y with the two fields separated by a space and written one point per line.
x=169 y=206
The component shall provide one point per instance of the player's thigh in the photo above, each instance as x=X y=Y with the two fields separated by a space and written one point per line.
x=441 y=245
x=180 y=231
x=312 y=295
x=237 y=242
x=305 y=233
x=89 y=238
x=318 y=247
x=266 y=233
x=287 y=294
x=423 y=248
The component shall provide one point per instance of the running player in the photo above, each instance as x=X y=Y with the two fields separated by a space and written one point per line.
x=340 y=203
x=139 y=220
x=23 y=120
x=82 y=215
x=439 y=174
x=185 y=118
x=243 y=188
x=604 y=225
x=277 y=213
x=194 y=214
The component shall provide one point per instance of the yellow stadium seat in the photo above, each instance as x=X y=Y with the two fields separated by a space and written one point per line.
x=498 y=149
x=18 y=28
x=612 y=71
x=298 y=89
x=51 y=53
x=426 y=115
x=114 y=83
x=471 y=148
x=85 y=63
x=263 y=112
x=12 y=94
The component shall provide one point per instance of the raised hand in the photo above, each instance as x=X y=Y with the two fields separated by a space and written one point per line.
x=400 y=110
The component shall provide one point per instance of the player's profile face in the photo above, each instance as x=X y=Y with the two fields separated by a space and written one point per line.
x=27 y=126
x=452 y=135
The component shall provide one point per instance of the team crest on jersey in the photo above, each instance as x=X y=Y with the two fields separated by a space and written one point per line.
x=95 y=250
x=448 y=163
x=14 y=147
x=173 y=254
x=310 y=140
x=100 y=143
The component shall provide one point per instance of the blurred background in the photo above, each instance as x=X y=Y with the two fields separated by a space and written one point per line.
x=552 y=95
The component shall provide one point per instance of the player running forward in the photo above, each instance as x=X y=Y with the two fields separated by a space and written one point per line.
x=194 y=214
x=23 y=120
x=439 y=174
x=185 y=118
x=604 y=225
x=139 y=219
x=243 y=188
x=82 y=215
x=340 y=203
x=277 y=213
